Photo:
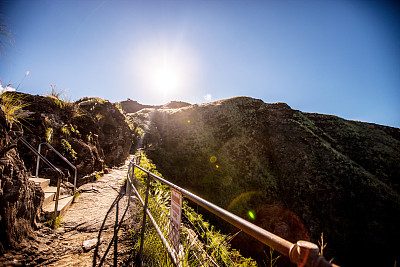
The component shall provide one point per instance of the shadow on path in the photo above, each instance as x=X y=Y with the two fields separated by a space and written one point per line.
x=118 y=206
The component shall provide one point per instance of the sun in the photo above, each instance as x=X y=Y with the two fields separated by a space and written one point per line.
x=166 y=78
x=165 y=70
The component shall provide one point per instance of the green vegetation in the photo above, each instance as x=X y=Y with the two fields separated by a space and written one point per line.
x=68 y=129
x=68 y=150
x=65 y=130
x=54 y=223
x=76 y=195
x=61 y=99
x=90 y=137
x=49 y=133
x=99 y=116
x=118 y=106
x=12 y=106
x=200 y=243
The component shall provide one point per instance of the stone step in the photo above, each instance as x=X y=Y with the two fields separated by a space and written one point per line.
x=40 y=181
x=63 y=204
x=49 y=194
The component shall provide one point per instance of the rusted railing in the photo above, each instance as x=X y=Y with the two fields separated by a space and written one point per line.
x=303 y=253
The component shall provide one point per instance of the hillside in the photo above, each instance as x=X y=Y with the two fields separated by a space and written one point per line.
x=91 y=133
x=293 y=173
x=299 y=174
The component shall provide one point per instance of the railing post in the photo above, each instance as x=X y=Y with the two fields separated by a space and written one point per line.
x=144 y=219
x=306 y=254
x=57 y=198
x=63 y=158
x=128 y=182
x=38 y=161
x=76 y=173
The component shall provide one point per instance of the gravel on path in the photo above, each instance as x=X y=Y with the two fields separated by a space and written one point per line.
x=98 y=216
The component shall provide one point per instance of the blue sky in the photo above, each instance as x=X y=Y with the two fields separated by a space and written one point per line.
x=333 y=57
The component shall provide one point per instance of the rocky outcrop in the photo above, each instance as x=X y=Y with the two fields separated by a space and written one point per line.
x=131 y=106
x=175 y=104
x=298 y=174
x=91 y=134
x=114 y=134
x=20 y=199
x=60 y=124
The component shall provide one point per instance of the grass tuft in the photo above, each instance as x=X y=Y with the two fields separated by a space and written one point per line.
x=54 y=223
x=12 y=106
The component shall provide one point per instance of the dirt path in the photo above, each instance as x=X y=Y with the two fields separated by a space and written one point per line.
x=98 y=216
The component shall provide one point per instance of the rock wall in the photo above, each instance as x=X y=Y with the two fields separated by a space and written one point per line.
x=111 y=127
x=293 y=173
x=91 y=134
x=20 y=199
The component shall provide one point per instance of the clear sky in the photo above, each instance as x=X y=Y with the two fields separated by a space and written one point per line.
x=339 y=57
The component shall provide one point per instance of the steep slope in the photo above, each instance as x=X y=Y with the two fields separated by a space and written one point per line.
x=299 y=174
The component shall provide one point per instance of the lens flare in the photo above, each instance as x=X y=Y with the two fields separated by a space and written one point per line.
x=213 y=159
x=242 y=198
x=252 y=215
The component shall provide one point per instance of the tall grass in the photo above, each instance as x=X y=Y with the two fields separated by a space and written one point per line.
x=61 y=99
x=12 y=105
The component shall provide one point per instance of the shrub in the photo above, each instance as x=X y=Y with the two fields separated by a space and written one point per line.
x=67 y=149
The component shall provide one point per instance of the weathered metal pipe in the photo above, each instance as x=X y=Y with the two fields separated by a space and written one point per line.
x=303 y=253
x=170 y=251
x=60 y=174
x=62 y=157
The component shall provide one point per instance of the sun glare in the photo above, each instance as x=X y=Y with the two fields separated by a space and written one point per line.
x=166 y=79
x=164 y=70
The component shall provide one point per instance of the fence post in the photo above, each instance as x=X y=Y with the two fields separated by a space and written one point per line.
x=128 y=182
x=144 y=219
x=56 y=202
x=38 y=162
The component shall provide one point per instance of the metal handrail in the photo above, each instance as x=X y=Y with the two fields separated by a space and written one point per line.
x=170 y=251
x=62 y=157
x=58 y=171
x=303 y=253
